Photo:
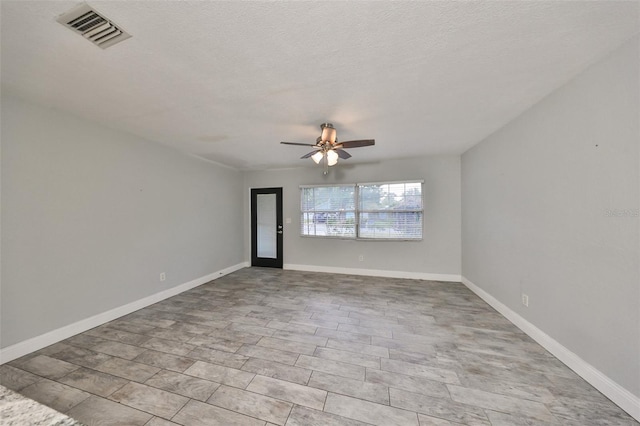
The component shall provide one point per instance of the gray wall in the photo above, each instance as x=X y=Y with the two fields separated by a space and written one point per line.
x=550 y=208
x=92 y=216
x=437 y=253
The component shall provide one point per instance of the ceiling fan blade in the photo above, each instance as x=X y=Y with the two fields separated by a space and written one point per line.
x=308 y=155
x=358 y=143
x=342 y=153
x=298 y=144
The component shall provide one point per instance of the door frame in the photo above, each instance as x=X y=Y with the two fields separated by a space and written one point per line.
x=263 y=261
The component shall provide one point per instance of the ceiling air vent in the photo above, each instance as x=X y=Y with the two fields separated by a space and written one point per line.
x=94 y=27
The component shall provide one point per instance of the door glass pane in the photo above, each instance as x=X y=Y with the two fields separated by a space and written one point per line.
x=266 y=210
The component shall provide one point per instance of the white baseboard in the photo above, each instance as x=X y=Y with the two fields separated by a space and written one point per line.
x=375 y=272
x=35 y=343
x=612 y=390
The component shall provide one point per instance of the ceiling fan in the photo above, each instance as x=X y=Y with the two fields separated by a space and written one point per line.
x=328 y=148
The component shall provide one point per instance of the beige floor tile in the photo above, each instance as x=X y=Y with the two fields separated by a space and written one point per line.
x=337 y=368
x=335 y=318
x=122 y=336
x=233 y=360
x=155 y=401
x=121 y=350
x=52 y=349
x=443 y=408
x=215 y=343
x=152 y=322
x=577 y=410
x=268 y=354
x=164 y=360
x=48 y=367
x=374 y=345
x=287 y=345
x=344 y=335
x=184 y=385
x=287 y=391
x=130 y=326
x=169 y=346
x=415 y=357
x=379 y=332
x=127 y=369
x=220 y=374
x=236 y=336
x=313 y=339
x=303 y=416
x=415 y=384
x=81 y=356
x=238 y=319
x=277 y=370
x=504 y=419
x=98 y=383
x=55 y=395
x=404 y=345
x=434 y=421
x=358 y=348
x=517 y=390
x=252 y=404
x=16 y=379
x=419 y=370
x=84 y=340
x=317 y=322
x=508 y=404
x=201 y=414
x=369 y=412
x=99 y=411
x=157 y=421
x=293 y=328
x=356 y=388
x=251 y=329
x=170 y=334
x=368 y=361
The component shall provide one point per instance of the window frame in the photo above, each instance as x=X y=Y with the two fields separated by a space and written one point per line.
x=358 y=211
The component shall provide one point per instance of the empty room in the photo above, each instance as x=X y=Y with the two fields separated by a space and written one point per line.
x=307 y=213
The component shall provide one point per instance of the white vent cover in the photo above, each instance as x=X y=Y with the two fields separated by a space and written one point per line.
x=94 y=27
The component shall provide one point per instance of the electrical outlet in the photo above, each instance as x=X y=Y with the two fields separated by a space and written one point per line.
x=288 y=220
x=163 y=276
x=525 y=300
x=361 y=258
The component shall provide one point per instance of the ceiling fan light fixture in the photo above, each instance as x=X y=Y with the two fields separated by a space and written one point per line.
x=327 y=148
x=332 y=158
x=317 y=157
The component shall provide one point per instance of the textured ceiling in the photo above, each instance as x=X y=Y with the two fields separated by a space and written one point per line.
x=228 y=81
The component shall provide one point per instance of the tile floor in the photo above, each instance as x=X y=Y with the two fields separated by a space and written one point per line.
x=272 y=347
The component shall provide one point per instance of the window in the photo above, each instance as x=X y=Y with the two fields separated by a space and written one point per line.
x=374 y=211
x=329 y=211
x=390 y=210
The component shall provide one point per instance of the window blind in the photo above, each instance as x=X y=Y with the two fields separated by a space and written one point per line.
x=385 y=210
